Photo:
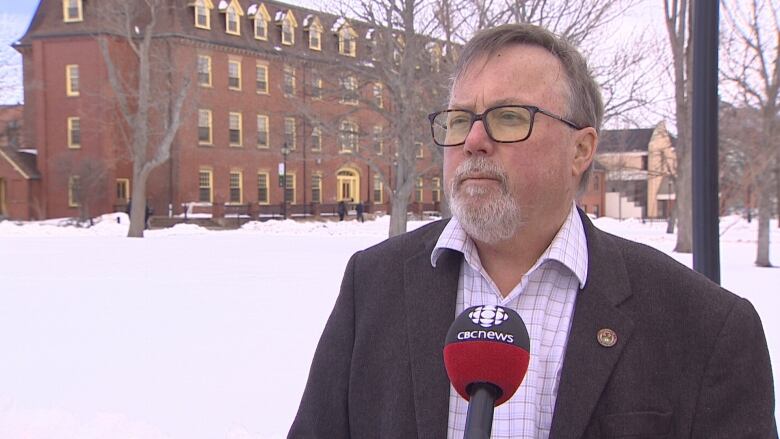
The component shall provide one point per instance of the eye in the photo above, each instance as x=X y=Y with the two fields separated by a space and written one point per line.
x=458 y=120
x=510 y=116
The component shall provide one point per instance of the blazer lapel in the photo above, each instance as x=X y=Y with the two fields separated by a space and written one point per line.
x=430 y=295
x=587 y=364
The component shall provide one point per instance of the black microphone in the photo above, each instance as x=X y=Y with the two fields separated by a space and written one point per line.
x=486 y=354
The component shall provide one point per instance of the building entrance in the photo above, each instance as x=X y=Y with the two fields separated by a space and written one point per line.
x=348 y=185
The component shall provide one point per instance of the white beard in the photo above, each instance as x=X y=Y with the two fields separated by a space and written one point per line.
x=487 y=214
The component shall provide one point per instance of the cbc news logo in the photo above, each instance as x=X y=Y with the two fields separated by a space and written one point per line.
x=488 y=316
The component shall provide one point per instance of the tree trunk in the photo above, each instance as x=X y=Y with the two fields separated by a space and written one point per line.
x=672 y=220
x=138 y=207
x=764 y=216
x=683 y=204
x=399 y=204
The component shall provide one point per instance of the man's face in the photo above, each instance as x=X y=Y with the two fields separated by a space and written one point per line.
x=499 y=189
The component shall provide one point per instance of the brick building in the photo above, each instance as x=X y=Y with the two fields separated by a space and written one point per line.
x=261 y=70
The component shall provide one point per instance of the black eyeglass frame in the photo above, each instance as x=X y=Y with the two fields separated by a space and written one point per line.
x=481 y=117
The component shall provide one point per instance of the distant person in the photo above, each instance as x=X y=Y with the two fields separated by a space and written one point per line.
x=359 y=211
x=342 y=210
x=147 y=215
x=625 y=341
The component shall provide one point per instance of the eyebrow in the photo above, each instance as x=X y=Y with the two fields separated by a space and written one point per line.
x=504 y=101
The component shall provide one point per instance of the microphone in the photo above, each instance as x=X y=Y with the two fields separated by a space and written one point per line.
x=486 y=354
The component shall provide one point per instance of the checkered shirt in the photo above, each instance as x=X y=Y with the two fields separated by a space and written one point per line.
x=544 y=298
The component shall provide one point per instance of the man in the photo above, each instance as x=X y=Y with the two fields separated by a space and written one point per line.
x=625 y=342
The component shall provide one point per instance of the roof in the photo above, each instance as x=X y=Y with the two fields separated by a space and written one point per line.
x=177 y=20
x=23 y=161
x=632 y=140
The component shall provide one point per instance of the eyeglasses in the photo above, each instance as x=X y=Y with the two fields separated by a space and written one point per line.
x=503 y=124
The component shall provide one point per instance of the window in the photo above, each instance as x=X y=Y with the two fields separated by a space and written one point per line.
x=233 y=15
x=72 y=11
x=289 y=192
x=234 y=75
x=261 y=78
x=436 y=191
x=378 y=140
x=315 y=38
x=261 y=19
x=379 y=99
x=204 y=127
x=288 y=28
x=316 y=188
x=74 y=132
x=74 y=191
x=316 y=87
x=204 y=70
x=236 y=195
x=203 y=13
x=435 y=58
x=289 y=132
x=418 y=190
x=289 y=80
x=122 y=190
x=349 y=90
x=316 y=139
x=418 y=146
x=72 y=80
x=262 y=131
x=262 y=188
x=378 y=189
x=348 y=136
x=347 y=41
x=205 y=185
x=235 y=129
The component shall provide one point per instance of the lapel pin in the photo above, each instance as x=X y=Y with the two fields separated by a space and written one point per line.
x=606 y=337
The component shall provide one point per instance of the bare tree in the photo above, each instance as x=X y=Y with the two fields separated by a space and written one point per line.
x=149 y=95
x=678 y=18
x=86 y=180
x=754 y=68
x=409 y=68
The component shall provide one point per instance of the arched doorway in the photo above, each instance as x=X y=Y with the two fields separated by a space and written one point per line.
x=347 y=184
x=3 y=210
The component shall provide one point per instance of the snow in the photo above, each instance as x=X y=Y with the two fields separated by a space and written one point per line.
x=192 y=333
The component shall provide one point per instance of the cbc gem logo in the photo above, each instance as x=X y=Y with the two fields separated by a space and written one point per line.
x=488 y=316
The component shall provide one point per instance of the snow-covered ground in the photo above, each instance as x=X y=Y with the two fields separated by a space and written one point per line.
x=197 y=334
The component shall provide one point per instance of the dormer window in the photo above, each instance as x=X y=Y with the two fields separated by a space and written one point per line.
x=347 y=40
x=261 y=18
x=314 y=27
x=72 y=11
x=287 y=20
x=203 y=13
x=435 y=51
x=233 y=14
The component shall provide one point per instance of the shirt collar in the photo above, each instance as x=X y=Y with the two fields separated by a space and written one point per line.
x=569 y=246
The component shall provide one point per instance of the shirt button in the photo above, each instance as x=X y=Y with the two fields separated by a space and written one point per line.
x=607 y=337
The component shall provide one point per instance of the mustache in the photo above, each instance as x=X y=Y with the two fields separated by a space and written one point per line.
x=479 y=167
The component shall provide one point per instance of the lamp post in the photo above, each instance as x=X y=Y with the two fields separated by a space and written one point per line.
x=283 y=183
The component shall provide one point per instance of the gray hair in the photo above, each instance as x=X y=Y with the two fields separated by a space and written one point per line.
x=585 y=105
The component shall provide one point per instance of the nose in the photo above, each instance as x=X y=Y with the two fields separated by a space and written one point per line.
x=478 y=141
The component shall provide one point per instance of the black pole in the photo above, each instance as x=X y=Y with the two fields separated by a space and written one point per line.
x=706 y=251
x=479 y=418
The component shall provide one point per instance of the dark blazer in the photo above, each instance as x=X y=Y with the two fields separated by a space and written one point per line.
x=691 y=358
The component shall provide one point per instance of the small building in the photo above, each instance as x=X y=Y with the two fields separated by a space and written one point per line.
x=640 y=166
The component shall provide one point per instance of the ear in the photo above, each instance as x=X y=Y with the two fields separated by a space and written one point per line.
x=585 y=142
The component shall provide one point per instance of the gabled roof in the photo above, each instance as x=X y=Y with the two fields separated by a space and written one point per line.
x=23 y=162
x=631 y=140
